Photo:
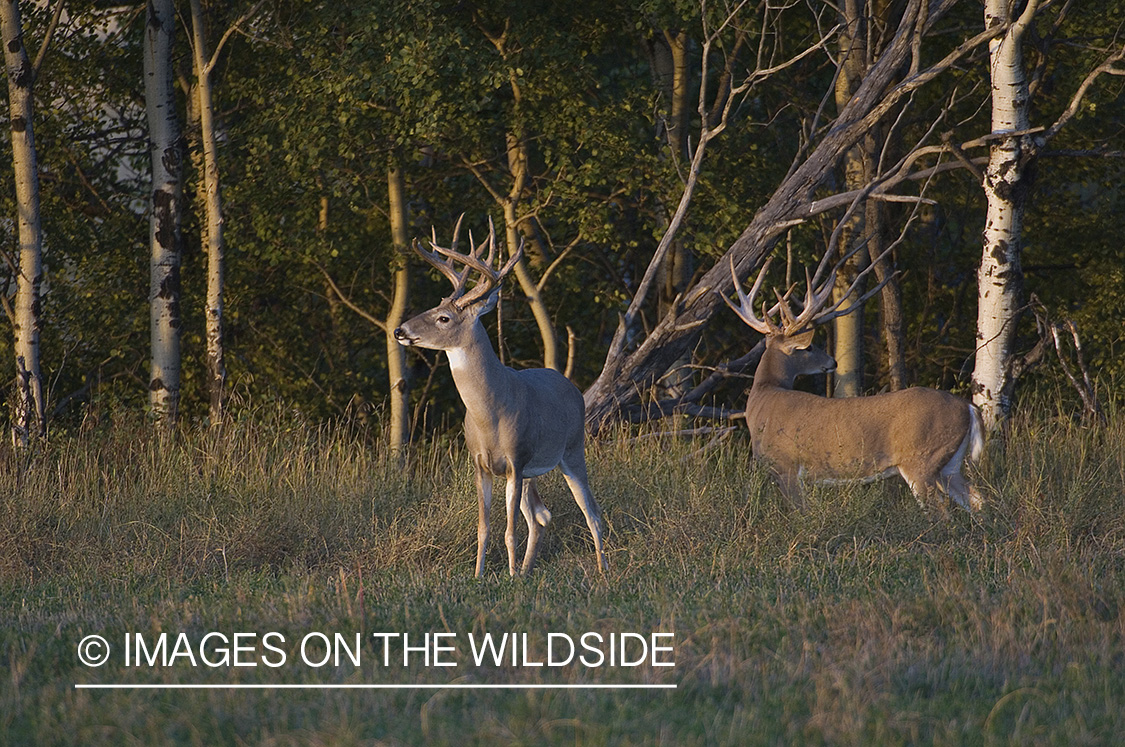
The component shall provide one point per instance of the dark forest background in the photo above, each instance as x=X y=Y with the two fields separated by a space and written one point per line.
x=317 y=101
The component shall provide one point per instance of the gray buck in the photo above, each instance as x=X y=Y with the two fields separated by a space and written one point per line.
x=518 y=424
x=922 y=434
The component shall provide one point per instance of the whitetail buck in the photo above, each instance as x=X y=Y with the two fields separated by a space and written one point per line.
x=518 y=424
x=919 y=433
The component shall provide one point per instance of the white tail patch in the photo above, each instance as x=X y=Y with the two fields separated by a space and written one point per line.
x=542 y=515
x=976 y=434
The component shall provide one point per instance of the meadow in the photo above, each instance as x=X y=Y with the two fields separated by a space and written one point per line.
x=860 y=620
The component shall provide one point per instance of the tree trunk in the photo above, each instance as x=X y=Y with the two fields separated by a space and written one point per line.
x=166 y=149
x=213 y=232
x=890 y=296
x=672 y=75
x=670 y=63
x=1007 y=182
x=516 y=146
x=29 y=420
x=399 y=432
x=517 y=165
x=848 y=329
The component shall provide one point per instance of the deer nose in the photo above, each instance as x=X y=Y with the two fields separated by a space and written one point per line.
x=399 y=333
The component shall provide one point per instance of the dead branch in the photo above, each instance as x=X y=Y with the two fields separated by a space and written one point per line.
x=1052 y=335
x=625 y=375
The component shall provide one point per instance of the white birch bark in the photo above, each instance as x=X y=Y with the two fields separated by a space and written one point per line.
x=213 y=231
x=164 y=220
x=1006 y=185
x=29 y=416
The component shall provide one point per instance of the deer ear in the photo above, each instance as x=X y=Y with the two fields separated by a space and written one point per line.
x=486 y=304
x=801 y=341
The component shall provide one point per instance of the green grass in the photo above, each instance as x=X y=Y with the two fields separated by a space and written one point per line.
x=861 y=620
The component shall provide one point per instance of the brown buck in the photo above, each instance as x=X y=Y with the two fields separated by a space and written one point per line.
x=922 y=434
x=518 y=424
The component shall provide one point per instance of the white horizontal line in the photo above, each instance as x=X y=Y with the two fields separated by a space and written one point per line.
x=452 y=686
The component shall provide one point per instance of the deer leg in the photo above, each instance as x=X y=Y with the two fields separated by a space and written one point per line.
x=513 y=492
x=961 y=493
x=791 y=488
x=924 y=490
x=532 y=508
x=955 y=485
x=484 y=502
x=574 y=471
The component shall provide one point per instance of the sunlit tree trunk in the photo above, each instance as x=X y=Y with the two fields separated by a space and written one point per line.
x=213 y=229
x=860 y=42
x=399 y=432
x=847 y=338
x=669 y=55
x=517 y=165
x=1006 y=186
x=166 y=149
x=29 y=420
x=670 y=63
x=518 y=168
x=890 y=299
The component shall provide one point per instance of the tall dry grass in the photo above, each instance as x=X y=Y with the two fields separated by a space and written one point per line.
x=860 y=620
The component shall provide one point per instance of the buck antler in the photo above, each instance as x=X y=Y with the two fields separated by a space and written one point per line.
x=745 y=309
x=814 y=309
x=489 y=277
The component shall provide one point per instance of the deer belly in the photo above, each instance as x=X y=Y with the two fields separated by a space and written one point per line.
x=499 y=465
x=856 y=478
x=844 y=466
x=540 y=464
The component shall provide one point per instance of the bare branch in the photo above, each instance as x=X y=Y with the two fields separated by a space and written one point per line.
x=227 y=34
x=707 y=133
x=52 y=26
x=382 y=325
x=1108 y=67
x=667 y=408
x=556 y=262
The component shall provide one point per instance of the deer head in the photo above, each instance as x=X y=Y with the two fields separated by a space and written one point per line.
x=789 y=349
x=449 y=325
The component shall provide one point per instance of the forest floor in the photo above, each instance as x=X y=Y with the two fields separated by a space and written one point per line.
x=282 y=557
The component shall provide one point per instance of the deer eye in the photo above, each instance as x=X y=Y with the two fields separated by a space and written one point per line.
x=443 y=319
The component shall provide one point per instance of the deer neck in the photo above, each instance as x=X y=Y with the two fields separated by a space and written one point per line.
x=478 y=374
x=774 y=371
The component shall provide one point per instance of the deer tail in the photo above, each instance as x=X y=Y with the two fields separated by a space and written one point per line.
x=976 y=434
x=531 y=492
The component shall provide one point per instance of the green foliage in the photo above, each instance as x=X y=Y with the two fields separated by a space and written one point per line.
x=316 y=100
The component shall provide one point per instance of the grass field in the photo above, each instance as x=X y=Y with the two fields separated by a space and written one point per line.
x=860 y=621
